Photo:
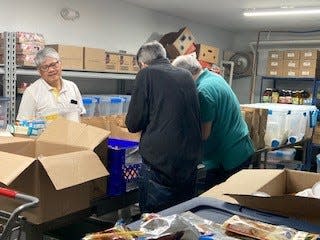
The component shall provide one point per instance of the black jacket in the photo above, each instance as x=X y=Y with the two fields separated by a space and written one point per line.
x=165 y=107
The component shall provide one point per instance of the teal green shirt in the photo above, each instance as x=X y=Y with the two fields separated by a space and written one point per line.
x=229 y=143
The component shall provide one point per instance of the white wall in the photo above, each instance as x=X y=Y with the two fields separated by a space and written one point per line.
x=110 y=24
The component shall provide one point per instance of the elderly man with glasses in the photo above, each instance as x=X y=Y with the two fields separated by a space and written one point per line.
x=50 y=96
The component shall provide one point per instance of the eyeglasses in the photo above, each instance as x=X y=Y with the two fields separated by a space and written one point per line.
x=46 y=67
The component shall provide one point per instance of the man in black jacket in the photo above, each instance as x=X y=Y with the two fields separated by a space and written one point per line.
x=165 y=108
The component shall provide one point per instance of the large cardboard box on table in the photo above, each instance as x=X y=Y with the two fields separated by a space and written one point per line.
x=281 y=185
x=59 y=167
x=70 y=56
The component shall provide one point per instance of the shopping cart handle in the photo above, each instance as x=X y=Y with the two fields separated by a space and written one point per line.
x=7 y=192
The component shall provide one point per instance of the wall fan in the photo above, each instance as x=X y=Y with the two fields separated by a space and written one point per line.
x=243 y=62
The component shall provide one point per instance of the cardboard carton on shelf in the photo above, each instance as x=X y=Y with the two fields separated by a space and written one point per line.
x=112 y=62
x=94 y=59
x=293 y=54
x=71 y=56
x=309 y=54
x=60 y=167
x=281 y=185
x=275 y=55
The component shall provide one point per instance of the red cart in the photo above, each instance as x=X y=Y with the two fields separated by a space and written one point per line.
x=12 y=222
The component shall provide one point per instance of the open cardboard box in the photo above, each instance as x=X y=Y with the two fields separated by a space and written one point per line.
x=281 y=185
x=113 y=123
x=59 y=168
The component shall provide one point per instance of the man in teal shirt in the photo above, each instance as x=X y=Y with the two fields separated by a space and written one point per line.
x=227 y=147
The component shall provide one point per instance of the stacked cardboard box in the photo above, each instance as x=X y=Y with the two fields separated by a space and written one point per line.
x=275 y=64
x=294 y=63
x=256 y=119
x=94 y=59
x=70 y=56
x=27 y=46
x=207 y=55
x=309 y=63
x=178 y=43
x=291 y=61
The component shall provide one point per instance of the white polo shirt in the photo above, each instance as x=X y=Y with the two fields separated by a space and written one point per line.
x=39 y=101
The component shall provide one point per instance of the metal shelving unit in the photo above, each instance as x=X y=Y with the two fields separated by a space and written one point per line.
x=9 y=70
x=315 y=83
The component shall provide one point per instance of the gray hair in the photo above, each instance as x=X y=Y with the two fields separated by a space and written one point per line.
x=151 y=51
x=45 y=53
x=188 y=62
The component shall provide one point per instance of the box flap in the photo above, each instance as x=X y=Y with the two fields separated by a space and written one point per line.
x=241 y=183
x=287 y=205
x=70 y=169
x=71 y=133
x=14 y=140
x=12 y=165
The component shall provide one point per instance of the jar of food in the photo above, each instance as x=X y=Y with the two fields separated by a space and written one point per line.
x=288 y=94
x=295 y=97
x=275 y=96
x=282 y=96
x=266 y=98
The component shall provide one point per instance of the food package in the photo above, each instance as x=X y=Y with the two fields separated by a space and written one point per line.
x=264 y=231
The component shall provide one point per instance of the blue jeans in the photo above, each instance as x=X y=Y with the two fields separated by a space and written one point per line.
x=157 y=192
x=217 y=176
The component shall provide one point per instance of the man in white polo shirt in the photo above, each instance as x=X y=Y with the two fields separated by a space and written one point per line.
x=50 y=96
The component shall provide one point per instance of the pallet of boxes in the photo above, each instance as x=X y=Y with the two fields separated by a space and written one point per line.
x=27 y=46
x=183 y=42
x=293 y=63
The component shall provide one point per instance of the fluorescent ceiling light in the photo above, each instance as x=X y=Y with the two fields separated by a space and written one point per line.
x=280 y=12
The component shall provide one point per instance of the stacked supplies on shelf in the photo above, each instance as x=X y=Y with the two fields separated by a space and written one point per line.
x=104 y=105
x=27 y=46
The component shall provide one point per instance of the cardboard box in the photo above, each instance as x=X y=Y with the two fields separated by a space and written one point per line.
x=309 y=54
x=94 y=59
x=291 y=64
x=281 y=185
x=71 y=56
x=115 y=124
x=291 y=55
x=274 y=71
x=126 y=63
x=256 y=119
x=112 y=62
x=207 y=53
x=275 y=63
x=177 y=43
x=275 y=55
x=305 y=63
x=290 y=72
x=59 y=167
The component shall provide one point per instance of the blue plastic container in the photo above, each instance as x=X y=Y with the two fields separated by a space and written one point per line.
x=124 y=163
